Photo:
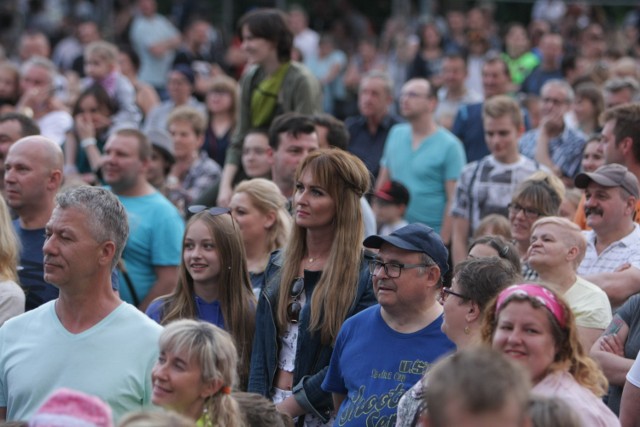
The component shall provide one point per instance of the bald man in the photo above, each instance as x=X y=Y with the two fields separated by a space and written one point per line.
x=33 y=175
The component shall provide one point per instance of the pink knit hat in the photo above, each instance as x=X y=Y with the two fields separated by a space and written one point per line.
x=70 y=408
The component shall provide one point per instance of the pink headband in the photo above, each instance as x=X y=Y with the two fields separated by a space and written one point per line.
x=537 y=292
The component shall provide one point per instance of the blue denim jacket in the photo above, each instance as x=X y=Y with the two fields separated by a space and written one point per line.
x=312 y=357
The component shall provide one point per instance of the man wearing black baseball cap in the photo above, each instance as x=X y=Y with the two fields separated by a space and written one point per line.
x=611 y=192
x=400 y=336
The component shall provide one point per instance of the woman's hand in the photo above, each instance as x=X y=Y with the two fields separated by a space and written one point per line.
x=84 y=126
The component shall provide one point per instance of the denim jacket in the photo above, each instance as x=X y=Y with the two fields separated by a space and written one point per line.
x=312 y=357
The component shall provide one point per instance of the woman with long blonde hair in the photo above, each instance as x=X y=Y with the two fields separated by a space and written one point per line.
x=320 y=279
x=260 y=210
x=213 y=283
x=12 y=297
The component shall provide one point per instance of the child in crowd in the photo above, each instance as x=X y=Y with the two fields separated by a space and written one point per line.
x=9 y=86
x=493 y=225
x=101 y=66
x=570 y=203
x=551 y=412
x=213 y=282
x=259 y=411
x=389 y=205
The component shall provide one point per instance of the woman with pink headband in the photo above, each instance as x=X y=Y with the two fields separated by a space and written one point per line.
x=533 y=325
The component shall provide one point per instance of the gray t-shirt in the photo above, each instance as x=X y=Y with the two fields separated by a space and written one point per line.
x=630 y=313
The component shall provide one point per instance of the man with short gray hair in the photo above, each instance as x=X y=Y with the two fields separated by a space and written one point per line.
x=368 y=131
x=553 y=143
x=619 y=91
x=87 y=339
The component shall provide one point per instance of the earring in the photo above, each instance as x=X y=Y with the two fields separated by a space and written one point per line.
x=467 y=330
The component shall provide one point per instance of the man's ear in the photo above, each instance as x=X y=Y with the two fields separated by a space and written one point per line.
x=55 y=180
x=433 y=275
x=107 y=252
x=626 y=145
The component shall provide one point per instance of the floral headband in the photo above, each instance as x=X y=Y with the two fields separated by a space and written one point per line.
x=538 y=293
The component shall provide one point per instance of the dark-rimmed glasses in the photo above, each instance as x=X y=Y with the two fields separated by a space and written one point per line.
x=515 y=208
x=445 y=292
x=391 y=269
x=295 y=307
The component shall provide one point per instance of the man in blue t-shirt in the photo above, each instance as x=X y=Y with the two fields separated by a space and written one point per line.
x=401 y=336
x=152 y=254
x=424 y=157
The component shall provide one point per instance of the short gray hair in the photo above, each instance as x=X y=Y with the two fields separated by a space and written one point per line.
x=106 y=215
x=42 y=62
x=568 y=90
x=381 y=75
x=617 y=84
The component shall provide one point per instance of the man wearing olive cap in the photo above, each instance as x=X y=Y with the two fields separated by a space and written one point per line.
x=385 y=349
x=611 y=193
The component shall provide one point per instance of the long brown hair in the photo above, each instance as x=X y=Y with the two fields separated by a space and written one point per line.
x=570 y=355
x=346 y=179
x=234 y=288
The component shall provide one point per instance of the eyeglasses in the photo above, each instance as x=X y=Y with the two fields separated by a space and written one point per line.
x=295 y=307
x=391 y=269
x=445 y=292
x=554 y=101
x=215 y=211
x=411 y=94
x=515 y=208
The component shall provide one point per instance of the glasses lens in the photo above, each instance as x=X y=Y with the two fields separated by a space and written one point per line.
x=393 y=270
x=194 y=209
x=215 y=211
x=373 y=266
x=297 y=287
x=218 y=211
x=293 y=311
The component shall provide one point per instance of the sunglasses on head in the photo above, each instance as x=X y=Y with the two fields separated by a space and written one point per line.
x=214 y=211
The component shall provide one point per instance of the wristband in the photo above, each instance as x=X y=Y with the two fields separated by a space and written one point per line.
x=87 y=142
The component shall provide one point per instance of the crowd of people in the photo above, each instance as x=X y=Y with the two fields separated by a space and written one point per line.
x=437 y=227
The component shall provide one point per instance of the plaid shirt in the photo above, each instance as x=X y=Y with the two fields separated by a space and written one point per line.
x=613 y=256
x=565 y=149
